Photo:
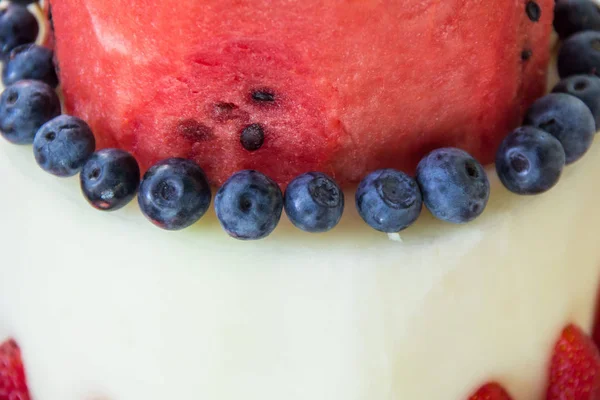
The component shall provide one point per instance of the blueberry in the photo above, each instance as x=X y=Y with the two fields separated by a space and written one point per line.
x=17 y=26
x=389 y=200
x=573 y=16
x=568 y=119
x=580 y=54
x=455 y=186
x=24 y=107
x=586 y=88
x=30 y=61
x=314 y=202
x=110 y=179
x=530 y=161
x=249 y=205
x=63 y=145
x=174 y=194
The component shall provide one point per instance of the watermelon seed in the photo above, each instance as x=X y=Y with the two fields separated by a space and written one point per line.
x=194 y=130
x=263 y=95
x=526 y=54
x=223 y=112
x=533 y=11
x=252 y=137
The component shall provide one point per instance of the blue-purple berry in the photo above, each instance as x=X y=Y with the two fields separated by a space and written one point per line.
x=62 y=145
x=17 y=26
x=455 y=186
x=574 y=16
x=530 y=161
x=109 y=179
x=580 y=55
x=174 y=193
x=30 y=61
x=566 y=118
x=24 y=107
x=249 y=205
x=586 y=88
x=389 y=200
x=314 y=202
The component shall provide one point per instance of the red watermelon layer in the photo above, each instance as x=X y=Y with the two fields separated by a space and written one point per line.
x=358 y=84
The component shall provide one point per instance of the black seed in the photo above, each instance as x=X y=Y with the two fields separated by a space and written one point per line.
x=263 y=95
x=252 y=137
x=526 y=54
x=194 y=130
x=534 y=12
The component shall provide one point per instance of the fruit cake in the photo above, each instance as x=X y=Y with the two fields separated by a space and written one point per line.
x=426 y=210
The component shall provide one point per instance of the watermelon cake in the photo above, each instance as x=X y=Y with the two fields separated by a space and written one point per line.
x=270 y=118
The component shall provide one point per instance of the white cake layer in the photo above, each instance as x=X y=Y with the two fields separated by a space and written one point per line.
x=108 y=307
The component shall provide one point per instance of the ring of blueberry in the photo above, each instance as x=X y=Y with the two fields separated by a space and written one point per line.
x=558 y=130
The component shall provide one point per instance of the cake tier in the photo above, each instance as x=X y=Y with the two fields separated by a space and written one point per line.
x=342 y=87
x=107 y=307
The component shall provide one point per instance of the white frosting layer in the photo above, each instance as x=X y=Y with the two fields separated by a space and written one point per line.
x=106 y=306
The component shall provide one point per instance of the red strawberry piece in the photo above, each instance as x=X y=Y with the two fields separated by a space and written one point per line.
x=12 y=375
x=596 y=330
x=575 y=367
x=490 y=391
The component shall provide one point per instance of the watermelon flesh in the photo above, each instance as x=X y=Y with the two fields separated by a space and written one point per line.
x=357 y=85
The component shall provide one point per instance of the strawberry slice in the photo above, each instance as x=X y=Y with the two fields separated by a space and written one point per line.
x=12 y=375
x=490 y=391
x=596 y=330
x=575 y=367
